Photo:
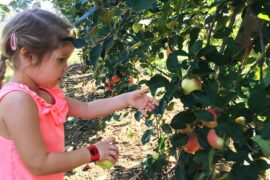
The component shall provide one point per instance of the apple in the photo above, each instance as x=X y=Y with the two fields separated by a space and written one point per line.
x=240 y=120
x=105 y=164
x=130 y=81
x=191 y=84
x=192 y=145
x=109 y=83
x=108 y=89
x=115 y=79
x=213 y=123
x=214 y=140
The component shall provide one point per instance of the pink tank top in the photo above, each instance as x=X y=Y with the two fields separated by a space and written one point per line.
x=51 y=122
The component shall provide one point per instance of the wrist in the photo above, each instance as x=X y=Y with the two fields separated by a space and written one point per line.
x=94 y=153
x=127 y=99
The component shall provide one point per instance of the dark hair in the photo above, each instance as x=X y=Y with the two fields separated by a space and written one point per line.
x=37 y=30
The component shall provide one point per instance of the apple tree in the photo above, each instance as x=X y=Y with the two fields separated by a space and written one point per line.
x=212 y=56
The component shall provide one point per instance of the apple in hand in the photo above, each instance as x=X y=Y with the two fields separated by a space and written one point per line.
x=214 y=140
x=191 y=84
x=213 y=123
x=192 y=145
x=105 y=164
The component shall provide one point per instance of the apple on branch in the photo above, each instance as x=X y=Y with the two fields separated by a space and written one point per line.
x=115 y=79
x=214 y=140
x=192 y=146
x=191 y=84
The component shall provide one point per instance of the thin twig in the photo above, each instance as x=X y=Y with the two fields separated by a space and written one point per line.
x=157 y=69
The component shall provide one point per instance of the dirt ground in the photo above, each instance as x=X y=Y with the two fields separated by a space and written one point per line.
x=127 y=131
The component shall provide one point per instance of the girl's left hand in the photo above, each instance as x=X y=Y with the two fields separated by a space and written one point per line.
x=141 y=101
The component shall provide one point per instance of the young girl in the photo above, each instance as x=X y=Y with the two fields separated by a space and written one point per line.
x=33 y=110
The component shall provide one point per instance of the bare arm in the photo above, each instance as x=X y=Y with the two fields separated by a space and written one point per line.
x=102 y=107
x=97 y=108
x=25 y=133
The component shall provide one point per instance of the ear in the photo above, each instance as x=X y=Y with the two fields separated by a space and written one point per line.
x=26 y=55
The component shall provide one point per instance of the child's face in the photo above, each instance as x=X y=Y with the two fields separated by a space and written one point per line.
x=52 y=67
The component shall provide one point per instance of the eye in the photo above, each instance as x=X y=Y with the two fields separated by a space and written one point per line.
x=62 y=60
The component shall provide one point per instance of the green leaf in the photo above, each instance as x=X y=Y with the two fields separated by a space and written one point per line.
x=222 y=33
x=136 y=27
x=139 y=5
x=258 y=101
x=156 y=82
x=204 y=115
x=264 y=132
x=179 y=120
x=106 y=15
x=201 y=98
x=179 y=140
x=266 y=79
x=264 y=145
x=166 y=128
x=172 y=63
x=148 y=122
x=211 y=89
x=211 y=156
x=116 y=117
x=263 y=16
x=195 y=47
x=146 y=136
x=138 y=115
x=95 y=54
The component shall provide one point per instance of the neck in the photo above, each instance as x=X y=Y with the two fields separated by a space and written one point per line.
x=23 y=79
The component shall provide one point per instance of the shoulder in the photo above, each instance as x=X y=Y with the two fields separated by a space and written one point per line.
x=17 y=100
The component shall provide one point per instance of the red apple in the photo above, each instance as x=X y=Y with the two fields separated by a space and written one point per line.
x=192 y=145
x=214 y=140
x=213 y=123
x=115 y=79
x=108 y=89
x=130 y=81
x=109 y=83
x=191 y=84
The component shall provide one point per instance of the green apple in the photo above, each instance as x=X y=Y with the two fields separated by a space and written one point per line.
x=191 y=84
x=105 y=164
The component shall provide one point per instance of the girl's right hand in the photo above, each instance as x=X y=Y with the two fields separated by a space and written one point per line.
x=108 y=150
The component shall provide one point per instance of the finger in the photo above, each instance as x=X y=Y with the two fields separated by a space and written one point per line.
x=153 y=101
x=143 y=112
x=113 y=147
x=144 y=104
x=112 y=159
x=113 y=154
x=142 y=92
x=110 y=140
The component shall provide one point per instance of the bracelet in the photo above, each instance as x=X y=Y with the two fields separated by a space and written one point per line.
x=94 y=153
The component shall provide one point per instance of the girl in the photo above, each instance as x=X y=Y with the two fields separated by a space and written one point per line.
x=38 y=44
